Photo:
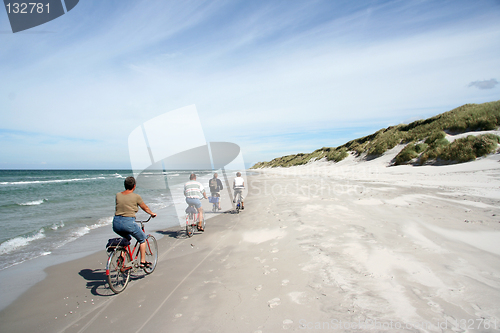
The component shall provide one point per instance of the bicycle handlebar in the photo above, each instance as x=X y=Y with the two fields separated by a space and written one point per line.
x=150 y=216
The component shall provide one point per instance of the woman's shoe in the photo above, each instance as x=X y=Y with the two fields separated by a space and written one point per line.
x=145 y=264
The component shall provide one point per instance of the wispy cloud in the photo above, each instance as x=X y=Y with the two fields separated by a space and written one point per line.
x=484 y=84
x=253 y=68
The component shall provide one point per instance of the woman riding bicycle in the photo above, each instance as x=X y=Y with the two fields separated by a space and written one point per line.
x=127 y=204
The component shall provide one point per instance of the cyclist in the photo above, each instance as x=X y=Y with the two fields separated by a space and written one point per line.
x=238 y=187
x=194 y=191
x=215 y=187
x=127 y=204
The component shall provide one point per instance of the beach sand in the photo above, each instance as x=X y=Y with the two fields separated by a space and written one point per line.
x=356 y=246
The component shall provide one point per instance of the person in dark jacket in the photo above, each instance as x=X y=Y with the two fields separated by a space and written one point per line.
x=215 y=185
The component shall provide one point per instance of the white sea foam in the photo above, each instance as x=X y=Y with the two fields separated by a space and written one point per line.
x=33 y=203
x=82 y=231
x=18 y=242
x=56 y=226
x=102 y=222
x=28 y=182
x=86 y=229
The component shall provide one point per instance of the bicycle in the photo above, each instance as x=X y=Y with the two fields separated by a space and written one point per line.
x=120 y=263
x=192 y=219
x=215 y=201
x=237 y=198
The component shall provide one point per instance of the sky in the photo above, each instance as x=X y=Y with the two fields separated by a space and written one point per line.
x=274 y=77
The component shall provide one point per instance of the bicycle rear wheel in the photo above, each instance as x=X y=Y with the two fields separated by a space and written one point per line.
x=238 y=202
x=151 y=254
x=118 y=274
x=189 y=225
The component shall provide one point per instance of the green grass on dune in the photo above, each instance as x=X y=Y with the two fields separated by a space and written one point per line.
x=425 y=140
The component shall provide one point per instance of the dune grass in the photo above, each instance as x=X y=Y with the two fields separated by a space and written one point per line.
x=424 y=139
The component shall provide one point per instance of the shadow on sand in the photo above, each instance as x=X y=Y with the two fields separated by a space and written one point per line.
x=97 y=281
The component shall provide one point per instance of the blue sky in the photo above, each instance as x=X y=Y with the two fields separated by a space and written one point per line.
x=275 y=77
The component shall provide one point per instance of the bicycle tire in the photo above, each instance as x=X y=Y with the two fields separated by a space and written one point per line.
x=194 y=227
x=151 y=254
x=118 y=277
x=238 y=202
x=189 y=223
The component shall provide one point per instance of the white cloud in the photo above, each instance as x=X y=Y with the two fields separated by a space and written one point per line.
x=484 y=84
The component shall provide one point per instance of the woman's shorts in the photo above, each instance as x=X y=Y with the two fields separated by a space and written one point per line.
x=125 y=227
x=194 y=201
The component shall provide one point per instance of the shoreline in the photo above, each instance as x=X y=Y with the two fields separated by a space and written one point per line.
x=28 y=273
x=402 y=248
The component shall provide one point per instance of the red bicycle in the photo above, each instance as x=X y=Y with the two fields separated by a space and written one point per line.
x=120 y=264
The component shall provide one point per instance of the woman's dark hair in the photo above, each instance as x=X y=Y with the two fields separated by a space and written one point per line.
x=129 y=183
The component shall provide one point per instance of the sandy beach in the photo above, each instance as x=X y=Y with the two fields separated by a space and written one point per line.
x=356 y=246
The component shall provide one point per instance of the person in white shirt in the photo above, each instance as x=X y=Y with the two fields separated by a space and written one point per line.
x=238 y=187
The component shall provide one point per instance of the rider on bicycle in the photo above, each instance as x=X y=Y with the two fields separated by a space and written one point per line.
x=215 y=185
x=194 y=191
x=238 y=187
x=127 y=204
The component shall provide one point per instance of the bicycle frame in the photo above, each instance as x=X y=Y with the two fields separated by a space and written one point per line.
x=131 y=254
x=134 y=262
x=237 y=197
x=192 y=220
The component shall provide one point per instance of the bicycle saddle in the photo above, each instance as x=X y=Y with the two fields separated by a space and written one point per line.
x=191 y=210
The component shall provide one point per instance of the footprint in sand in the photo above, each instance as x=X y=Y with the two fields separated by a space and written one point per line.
x=178 y=315
x=259 y=287
x=212 y=295
x=274 y=250
x=287 y=323
x=285 y=282
x=274 y=302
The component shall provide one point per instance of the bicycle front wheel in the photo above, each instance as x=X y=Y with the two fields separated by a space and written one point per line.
x=118 y=273
x=151 y=254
